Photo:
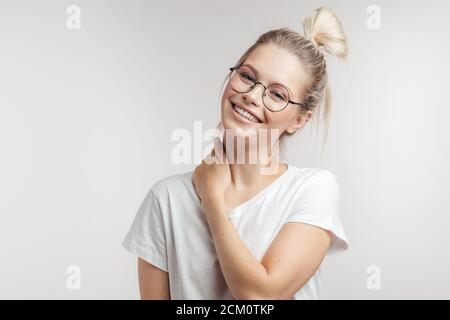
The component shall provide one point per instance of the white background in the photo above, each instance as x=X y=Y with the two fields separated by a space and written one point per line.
x=86 y=118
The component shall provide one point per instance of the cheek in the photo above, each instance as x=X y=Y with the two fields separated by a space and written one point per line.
x=278 y=120
x=227 y=93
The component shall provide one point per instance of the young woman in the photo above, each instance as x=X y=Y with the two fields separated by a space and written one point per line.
x=227 y=231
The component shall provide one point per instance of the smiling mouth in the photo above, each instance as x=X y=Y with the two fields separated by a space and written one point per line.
x=244 y=114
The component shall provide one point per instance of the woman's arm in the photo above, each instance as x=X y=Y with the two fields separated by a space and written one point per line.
x=292 y=258
x=153 y=282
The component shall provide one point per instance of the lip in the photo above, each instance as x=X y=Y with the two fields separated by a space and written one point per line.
x=246 y=109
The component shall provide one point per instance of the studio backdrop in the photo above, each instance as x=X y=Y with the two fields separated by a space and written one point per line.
x=92 y=93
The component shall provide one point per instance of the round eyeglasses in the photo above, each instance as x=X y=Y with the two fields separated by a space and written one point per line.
x=275 y=97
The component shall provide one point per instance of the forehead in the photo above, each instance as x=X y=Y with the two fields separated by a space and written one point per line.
x=276 y=65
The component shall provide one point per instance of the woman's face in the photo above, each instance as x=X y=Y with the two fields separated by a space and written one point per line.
x=271 y=64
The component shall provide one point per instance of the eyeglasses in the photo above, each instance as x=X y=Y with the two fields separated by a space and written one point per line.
x=243 y=79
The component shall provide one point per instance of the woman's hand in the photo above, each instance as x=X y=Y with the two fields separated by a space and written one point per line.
x=212 y=178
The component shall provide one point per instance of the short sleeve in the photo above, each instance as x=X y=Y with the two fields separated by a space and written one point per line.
x=317 y=203
x=146 y=236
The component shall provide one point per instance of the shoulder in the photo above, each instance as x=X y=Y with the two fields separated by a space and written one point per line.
x=173 y=185
x=311 y=176
x=313 y=183
x=316 y=202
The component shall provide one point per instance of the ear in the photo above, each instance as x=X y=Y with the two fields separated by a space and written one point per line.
x=298 y=122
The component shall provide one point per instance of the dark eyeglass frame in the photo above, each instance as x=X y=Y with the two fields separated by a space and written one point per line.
x=264 y=92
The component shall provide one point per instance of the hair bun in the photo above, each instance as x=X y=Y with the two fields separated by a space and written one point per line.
x=325 y=31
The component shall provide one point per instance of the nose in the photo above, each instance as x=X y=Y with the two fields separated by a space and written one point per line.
x=254 y=96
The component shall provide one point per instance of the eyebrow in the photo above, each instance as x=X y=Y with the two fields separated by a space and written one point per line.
x=257 y=74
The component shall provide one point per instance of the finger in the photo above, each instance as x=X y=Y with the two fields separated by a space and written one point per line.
x=210 y=158
x=220 y=153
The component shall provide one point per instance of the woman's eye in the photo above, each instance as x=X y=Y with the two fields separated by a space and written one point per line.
x=278 y=95
x=247 y=76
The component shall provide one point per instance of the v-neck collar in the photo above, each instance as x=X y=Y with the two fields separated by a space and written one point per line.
x=242 y=206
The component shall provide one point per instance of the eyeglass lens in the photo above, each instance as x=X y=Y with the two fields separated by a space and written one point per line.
x=275 y=97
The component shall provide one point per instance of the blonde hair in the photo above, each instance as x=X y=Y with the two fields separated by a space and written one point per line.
x=323 y=32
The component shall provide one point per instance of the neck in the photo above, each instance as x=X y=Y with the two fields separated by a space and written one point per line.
x=244 y=173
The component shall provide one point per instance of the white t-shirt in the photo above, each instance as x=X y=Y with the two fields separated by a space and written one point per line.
x=171 y=232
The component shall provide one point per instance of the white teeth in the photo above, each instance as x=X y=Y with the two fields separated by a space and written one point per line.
x=245 y=114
